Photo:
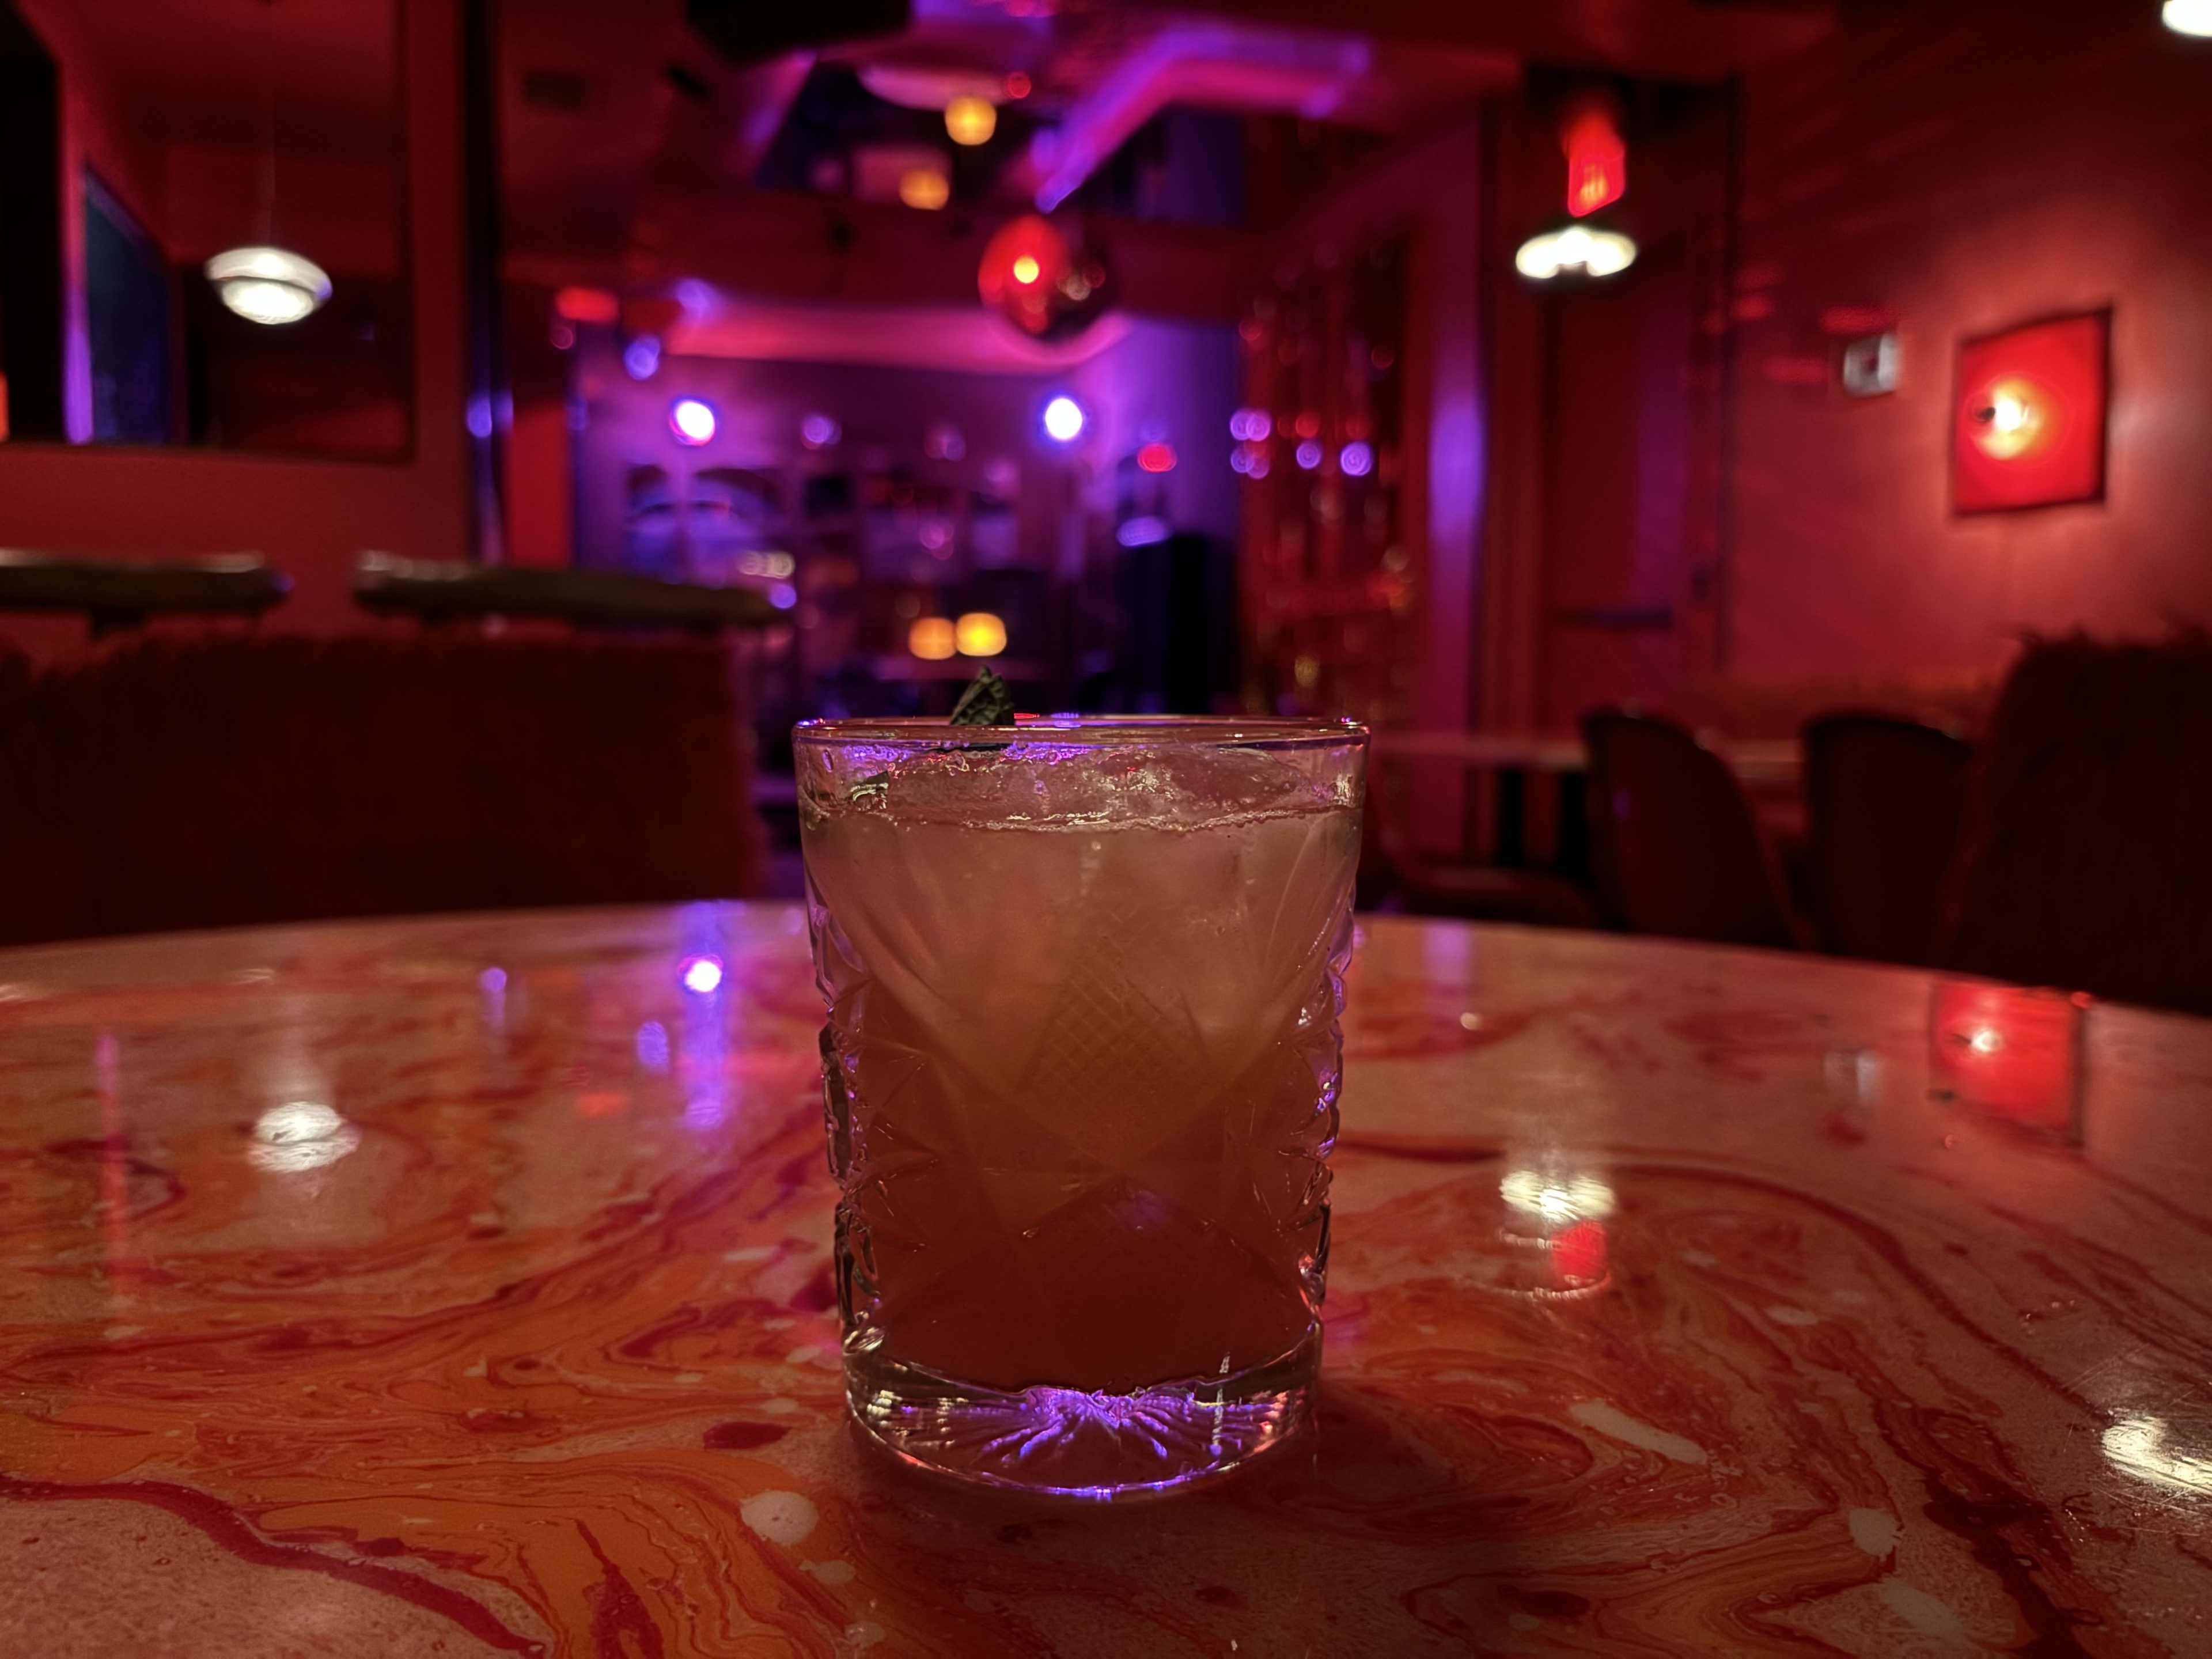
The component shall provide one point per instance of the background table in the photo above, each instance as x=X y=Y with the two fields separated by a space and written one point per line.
x=463 y=1287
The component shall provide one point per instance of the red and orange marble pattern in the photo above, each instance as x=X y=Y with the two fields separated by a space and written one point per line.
x=461 y=1287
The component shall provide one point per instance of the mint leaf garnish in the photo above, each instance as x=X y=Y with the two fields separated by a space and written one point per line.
x=986 y=702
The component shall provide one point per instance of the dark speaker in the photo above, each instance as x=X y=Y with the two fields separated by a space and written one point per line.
x=754 y=31
x=1178 y=653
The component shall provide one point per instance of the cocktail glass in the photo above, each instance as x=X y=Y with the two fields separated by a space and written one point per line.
x=1080 y=1073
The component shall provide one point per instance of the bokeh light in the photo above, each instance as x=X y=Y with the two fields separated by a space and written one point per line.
x=971 y=119
x=692 y=420
x=1063 y=419
x=925 y=188
x=979 y=633
x=930 y=638
x=2189 y=16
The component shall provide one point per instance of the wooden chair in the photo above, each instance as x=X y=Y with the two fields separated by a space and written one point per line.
x=168 y=783
x=1673 y=843
x=2086 y=858
x=1883 y=796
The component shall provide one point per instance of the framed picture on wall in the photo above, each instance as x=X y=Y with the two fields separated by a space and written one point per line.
x=2027 y=427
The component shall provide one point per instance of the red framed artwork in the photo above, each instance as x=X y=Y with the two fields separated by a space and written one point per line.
x=2028 y=426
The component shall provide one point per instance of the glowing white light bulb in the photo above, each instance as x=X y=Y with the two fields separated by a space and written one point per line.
x=1063 y=419
x=271 y=285
x=2189 y=16
x=693 y=420
x=1574 y=248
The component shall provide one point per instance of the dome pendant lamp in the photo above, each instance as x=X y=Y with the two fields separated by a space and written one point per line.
x=262 y=281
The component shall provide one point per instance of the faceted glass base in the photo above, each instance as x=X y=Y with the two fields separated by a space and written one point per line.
x=1072 y=1443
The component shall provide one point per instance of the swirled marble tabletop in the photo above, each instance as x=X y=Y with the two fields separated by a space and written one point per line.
x=461 y=1286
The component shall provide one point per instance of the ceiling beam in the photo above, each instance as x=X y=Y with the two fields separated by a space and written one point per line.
x=1692 y=40
x=794 y=245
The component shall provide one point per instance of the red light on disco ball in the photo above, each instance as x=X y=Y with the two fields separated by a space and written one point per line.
x=1046 y=283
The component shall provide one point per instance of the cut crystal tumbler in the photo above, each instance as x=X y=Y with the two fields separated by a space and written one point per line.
x=1080 y=1072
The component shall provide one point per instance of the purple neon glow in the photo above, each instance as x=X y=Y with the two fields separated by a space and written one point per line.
x=1047 y=1439
x=701 y=976
x=783 y=596
x=819 y=431
x=1250 y=426
x=692 y=420
x=1309 y=454
x=1357 y=459
x=642 y=357
x=492 y=980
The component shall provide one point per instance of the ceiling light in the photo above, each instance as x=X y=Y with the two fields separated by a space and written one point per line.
x=259 y=281
x=268 y=284
x=2189 y=16
x=979 y=633
x=1063 y=419
x=1597 y=159
x=925 y=188
x=692 y=420
x=970 y=121
x=930 y=638
x=1576 y=251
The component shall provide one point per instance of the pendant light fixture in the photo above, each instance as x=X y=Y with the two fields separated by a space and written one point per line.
x=1597 y=176
x=262 y=281
x=2189 y=16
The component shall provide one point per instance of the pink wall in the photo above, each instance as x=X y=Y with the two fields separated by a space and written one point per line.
x=310 y=518
x=1968 y=165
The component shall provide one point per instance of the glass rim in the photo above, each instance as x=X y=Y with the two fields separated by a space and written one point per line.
x=1101 y=731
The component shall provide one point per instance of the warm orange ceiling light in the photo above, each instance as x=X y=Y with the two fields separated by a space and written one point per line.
x=971 y=119
x=925 y=188
x=930 y=638
x=979 y=633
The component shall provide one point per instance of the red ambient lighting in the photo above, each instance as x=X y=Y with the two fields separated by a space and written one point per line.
x=2028 y=430
x=1597 y=159
x=1025 y=263
x=1157 y=458
x=587 y=305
